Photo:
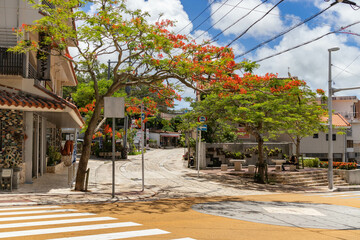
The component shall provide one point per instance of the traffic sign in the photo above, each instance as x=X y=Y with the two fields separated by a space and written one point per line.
x=143 y=116
x=202 y=119
x=202 y=127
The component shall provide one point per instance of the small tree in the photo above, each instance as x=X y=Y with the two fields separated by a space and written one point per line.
x=258 y=103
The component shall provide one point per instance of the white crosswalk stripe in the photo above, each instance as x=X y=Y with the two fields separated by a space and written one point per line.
x=27 y=208
x=118 y=235
x=6 y=219
x=54 y=222
x=81 y=223
x=66 y=229
x=37 y=212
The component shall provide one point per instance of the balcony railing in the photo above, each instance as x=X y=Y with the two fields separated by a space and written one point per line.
x=15 y=64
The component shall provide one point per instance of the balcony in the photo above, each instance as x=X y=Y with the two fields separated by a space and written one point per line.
x=15 y=64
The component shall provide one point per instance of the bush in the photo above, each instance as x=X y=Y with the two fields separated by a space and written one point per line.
x=340 y=165
x=234 y=155
x=311 y=162
x=54 y=156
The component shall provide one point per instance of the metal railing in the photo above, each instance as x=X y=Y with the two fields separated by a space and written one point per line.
x=11 y=63
x=15 y=64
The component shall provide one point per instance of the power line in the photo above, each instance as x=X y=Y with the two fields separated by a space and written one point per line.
x=220 y=18
x=210 y=15
x=284 y=32
x=253 y=9
x=196 y=16
x=347 y=66
x=254 y=23
x=344 y=70
x=305 y=43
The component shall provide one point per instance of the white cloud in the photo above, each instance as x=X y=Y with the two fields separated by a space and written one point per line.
x=171 y=9
x=310 y=62
x=268 y=26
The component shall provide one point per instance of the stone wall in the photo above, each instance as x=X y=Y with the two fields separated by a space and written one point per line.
x=215 y=152
x=11 y=133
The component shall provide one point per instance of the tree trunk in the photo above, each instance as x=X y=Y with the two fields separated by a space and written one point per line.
x=261 y=160
x=85 y=155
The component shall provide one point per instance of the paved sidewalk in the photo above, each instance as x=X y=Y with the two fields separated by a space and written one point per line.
x=54 y=189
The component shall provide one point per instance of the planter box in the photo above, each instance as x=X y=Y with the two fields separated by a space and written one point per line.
x=350 y=176
x=55 y=169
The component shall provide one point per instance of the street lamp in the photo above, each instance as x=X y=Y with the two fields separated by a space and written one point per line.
x=330 y=157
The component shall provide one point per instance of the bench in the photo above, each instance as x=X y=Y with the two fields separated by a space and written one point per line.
x=237 y=163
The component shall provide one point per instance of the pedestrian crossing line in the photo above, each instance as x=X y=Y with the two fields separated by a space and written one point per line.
x=26 y=208
x=6 y=219
x=54 y=222
x=184 y=239
x=117 y=235
x=9 y=204
x=39 y=211
x=66 y=229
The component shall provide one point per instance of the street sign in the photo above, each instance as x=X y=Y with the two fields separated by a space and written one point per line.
x=143 y=116
x=202 y=119
x=114 y=107
x=202 y=128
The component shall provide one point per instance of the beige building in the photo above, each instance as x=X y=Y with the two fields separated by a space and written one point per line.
x=32 y=110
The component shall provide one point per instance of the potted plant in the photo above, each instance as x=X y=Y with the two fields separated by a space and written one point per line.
x=54 y=158
x=12 y=159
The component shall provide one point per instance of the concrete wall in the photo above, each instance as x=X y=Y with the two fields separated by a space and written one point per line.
x=13 y=13
x=215 y=152
x=350 y=176
x=320 y=145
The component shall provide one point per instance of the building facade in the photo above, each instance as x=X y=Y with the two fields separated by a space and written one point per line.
x=32 y=110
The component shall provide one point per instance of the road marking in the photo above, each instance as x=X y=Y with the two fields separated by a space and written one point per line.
x=39 y=211
x=118 y=235
x=5 y=219
x=4 y=204
x=54 y=222
x=184 y=239
x=66 y=229
x=26 y=208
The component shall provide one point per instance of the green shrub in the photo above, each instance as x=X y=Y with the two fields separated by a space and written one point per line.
x=54 y=156
x=311 y=162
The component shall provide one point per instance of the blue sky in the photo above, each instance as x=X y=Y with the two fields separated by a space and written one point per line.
x=309 y=62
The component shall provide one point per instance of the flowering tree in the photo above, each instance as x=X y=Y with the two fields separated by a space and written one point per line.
x=264 y=105
x=146 y=53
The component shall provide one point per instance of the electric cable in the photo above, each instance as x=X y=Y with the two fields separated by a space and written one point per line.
x=242 y=34
x=344 y=70
x=210 y=16
x=253 y=9
x=196 y=17
x=284 y=32
x=308 y=42
x=347 y=67
x=220 y=19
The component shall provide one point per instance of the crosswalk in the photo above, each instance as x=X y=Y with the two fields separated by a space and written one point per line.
x=57 y=223
x=339 y=195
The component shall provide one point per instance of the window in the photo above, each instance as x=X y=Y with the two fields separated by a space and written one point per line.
x=333 y=137
x=349 y=143
x=316 y=135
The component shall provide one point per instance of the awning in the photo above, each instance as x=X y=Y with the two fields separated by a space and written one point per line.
x=169 y=135
x=57 y=110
